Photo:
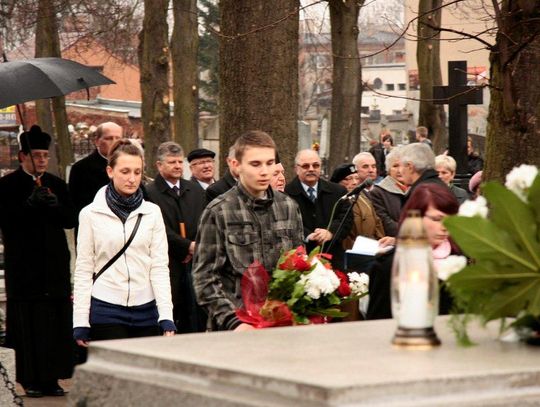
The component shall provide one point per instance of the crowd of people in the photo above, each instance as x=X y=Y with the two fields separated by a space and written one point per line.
x=166 y=256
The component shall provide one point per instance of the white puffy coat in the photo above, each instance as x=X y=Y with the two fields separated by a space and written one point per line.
x=140 y=275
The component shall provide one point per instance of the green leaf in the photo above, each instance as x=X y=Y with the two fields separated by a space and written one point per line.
x=481 y=239
x=514 y=299
x=534 y=199
x=514 y=216
x=459 y=323
x=486 y=276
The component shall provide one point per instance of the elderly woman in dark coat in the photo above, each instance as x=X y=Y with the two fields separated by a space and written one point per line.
x=446 y=167
x=387 y=196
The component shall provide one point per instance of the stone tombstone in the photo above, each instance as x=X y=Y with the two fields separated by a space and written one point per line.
x=7 y=358
x=305 y=139
x=334 y=365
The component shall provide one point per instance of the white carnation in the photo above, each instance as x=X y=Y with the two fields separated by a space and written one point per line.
x=359 y=283
x=320 y=281
x=478 y=207
x=451 y=265
x=520 y=179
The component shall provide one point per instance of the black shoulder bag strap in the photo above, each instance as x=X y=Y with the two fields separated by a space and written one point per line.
x=122 y=250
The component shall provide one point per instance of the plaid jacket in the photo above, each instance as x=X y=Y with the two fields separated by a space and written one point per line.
x=234 y=231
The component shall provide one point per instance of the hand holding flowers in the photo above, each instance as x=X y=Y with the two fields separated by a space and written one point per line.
x=303 y=289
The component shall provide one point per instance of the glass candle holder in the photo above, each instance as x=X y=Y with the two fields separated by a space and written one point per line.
x=415 y=287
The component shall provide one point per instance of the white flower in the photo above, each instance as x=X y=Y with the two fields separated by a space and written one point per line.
x=520 y=179
x=478 y=207
x=320 y=281
x=359 y=283
x=451 y=265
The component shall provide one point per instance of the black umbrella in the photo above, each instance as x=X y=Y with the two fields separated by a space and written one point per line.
x=40 y=78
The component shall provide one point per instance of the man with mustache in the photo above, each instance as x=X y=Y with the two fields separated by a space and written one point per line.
x=316 y=199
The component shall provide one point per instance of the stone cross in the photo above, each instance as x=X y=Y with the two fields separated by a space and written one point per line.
x=457 y=95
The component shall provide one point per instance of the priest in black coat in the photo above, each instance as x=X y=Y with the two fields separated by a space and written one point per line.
x=181 y=202
x=316 y=207
x=35 y=208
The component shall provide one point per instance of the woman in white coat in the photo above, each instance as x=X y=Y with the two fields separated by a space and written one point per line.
x=129 y=296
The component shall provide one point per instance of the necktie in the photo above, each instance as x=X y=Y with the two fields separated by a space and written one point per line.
x=311 y=194
x=176 y=190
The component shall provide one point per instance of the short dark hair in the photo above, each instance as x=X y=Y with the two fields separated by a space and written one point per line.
x=123 y=146
x=388 y=137
x=253 y=138
x=422 y=131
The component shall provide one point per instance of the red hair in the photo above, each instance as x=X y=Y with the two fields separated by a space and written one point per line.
x=438 y=196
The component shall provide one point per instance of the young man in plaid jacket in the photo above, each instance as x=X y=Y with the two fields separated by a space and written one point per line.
x=249 y=222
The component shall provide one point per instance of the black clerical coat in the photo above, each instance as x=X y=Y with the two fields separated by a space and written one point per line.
x=37 y=275
x=35 y=246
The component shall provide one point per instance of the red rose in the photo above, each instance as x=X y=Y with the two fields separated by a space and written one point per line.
x=300 y=264
x=295 y=260
x=344 y=290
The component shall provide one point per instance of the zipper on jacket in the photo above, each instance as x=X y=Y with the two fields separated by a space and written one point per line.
x=127 y=268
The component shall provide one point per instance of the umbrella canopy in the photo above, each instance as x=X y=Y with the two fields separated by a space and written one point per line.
x=40 y=78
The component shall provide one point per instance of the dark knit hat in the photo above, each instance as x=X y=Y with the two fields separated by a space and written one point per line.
x=34 y=139
x=200 y=153
x=342 y=171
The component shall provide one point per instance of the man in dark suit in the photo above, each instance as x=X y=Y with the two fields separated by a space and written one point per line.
x=88 y=175
x=224 y=183
x=181 y=202
x=316 y=198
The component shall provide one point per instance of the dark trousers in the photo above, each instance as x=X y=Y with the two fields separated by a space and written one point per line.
x=101 y=332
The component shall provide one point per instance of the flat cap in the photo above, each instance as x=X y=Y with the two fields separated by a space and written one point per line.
x=200 y=153
x=342 y=171
x=34 y=139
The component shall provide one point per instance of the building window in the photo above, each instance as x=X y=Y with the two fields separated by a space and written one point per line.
x=377 y=83
x=402 y=86
x=390 y=86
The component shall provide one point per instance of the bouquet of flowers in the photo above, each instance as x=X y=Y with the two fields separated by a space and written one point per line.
x=501 y=235
x=302 y=290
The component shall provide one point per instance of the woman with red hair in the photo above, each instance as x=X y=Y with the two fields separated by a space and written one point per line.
x=434 y=202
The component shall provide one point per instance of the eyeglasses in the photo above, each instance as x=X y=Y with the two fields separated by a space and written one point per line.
x=203 y=162
x=306 y=166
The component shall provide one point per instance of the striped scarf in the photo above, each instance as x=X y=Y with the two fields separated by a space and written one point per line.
x=122 y=206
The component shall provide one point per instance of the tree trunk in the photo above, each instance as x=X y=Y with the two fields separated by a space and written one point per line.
x=513 y=131
x=346 y=82
x=48 y=45
x=429 y=73
x=259 y=72
x=184 y=47
x=154 y=68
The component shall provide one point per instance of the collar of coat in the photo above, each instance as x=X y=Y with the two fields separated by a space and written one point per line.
x=163 y=187
x=295 y=187
x=100 y=205
x=256 y=203
x=390 y=184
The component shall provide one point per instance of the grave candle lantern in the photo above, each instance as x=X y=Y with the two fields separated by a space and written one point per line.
x=415 y=289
